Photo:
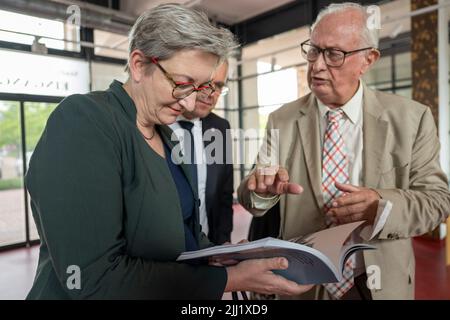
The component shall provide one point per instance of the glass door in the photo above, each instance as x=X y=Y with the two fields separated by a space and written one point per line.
x=22 y=122
x=12 y=204
x=36 y=116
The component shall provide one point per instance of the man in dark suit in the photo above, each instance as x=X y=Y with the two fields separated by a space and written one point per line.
x=215 y=180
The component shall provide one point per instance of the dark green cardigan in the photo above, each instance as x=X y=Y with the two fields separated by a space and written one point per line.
x=104 y=201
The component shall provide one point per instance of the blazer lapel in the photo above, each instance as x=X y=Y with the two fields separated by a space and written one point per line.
x=206 y=125
x=308 y=127
x=374 y=138
x=213 y=169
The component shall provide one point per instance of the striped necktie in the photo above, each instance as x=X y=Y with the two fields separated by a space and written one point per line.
x=335 y=169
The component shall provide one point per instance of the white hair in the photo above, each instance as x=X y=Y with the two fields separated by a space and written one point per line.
x=166 y=29
x=369 y=35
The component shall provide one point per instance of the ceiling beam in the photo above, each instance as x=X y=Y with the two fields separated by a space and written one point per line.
x=290 y=16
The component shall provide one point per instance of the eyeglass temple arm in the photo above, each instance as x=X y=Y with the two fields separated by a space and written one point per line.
x=357 y=50
x=154 y=60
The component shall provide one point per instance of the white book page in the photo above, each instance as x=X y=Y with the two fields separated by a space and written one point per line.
x=330 y=241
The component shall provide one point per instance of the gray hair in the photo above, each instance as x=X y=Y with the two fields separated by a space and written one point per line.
x=162 y=31
x=369 y=35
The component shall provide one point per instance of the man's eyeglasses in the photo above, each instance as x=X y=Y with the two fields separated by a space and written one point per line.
x=221 y=88
x=333 y=57
x=182 y=90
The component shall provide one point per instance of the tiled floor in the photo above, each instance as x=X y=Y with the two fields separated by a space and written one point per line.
x=17 y=267
x=12 y=217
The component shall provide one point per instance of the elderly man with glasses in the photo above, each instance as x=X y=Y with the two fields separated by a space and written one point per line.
x=214 y=177
x=348 y=153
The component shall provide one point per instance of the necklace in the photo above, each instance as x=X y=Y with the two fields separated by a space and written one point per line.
x=139 y=125
x=149 y=138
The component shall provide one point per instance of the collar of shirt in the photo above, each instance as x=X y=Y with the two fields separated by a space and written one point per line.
x=352 y=108
x=196 y=129
x=196 y=121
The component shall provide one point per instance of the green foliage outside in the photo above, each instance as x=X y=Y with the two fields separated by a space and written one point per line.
x=8 y=184
x=36 y=115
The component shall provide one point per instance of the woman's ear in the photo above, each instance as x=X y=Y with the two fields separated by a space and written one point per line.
x=369 y=59
x=137 y=65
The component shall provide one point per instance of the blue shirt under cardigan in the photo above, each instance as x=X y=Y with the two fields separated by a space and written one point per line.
x=186 y=200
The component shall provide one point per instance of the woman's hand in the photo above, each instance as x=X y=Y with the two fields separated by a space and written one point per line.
x=255 y=275
x=223 y=262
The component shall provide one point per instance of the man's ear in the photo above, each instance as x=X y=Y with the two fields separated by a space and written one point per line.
x=138 y=64
x=369 y=60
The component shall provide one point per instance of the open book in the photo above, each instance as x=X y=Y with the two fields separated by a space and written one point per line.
x=313 y=259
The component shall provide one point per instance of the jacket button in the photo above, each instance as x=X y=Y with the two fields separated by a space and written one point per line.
x=393 y=236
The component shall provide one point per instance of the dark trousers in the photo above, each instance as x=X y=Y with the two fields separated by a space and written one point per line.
x=359 y=291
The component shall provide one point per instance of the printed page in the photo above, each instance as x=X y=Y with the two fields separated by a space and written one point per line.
x=330 y=241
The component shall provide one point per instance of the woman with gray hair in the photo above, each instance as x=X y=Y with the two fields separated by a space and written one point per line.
x=112 y=207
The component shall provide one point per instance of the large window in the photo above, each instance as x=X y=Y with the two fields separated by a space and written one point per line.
x=102 y=75
x=25 y=29
x=21 y=126
x=393 y=72
x=275 y=87
x=110 y=44
x=272 y=73
x=30 y=87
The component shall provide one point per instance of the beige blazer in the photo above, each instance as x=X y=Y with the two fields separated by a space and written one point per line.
x=400 y=161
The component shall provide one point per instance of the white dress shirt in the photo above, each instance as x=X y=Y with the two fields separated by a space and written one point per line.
x=201 y=163
x=350 y=127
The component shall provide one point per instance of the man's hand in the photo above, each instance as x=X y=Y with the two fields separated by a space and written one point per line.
x=357 y=204
x=272 y=180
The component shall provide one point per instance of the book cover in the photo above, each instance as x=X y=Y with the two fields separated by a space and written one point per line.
x=313 y=259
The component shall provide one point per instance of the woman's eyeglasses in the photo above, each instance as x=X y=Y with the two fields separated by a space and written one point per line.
x=182 y=90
